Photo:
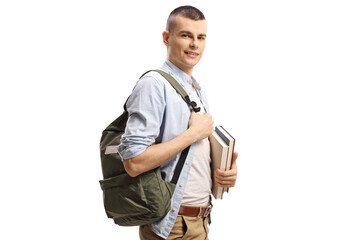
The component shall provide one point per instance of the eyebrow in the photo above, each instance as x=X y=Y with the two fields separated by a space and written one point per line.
x=187 y=32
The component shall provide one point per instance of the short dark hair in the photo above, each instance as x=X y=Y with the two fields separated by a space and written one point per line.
x=184 y=11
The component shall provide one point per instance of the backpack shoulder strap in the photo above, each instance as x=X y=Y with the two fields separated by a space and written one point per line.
x=175 y=84
x=186 y=98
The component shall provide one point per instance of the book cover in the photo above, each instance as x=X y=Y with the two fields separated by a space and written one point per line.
x=230 y=141
x=219 y=152
x=222 y=148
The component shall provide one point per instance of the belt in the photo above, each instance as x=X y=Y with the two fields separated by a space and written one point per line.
x=195 y=211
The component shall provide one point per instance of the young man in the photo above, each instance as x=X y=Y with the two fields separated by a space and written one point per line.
x=159 y=115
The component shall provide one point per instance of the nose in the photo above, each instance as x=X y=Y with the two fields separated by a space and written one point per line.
x=194 y=44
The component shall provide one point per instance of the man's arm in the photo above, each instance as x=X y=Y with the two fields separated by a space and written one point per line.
x=200 y=127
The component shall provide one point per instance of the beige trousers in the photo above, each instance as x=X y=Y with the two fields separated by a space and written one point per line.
x=185 y=227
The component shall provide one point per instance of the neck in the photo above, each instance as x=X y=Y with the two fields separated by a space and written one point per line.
x=188 y=71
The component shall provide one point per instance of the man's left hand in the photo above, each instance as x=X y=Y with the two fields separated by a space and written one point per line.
x=227 y=179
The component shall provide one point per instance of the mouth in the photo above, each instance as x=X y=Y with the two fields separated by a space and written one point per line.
x=192 y=54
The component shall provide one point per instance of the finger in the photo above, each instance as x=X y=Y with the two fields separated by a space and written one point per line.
x=225 y=183
x=223 y=180
x=224 y=174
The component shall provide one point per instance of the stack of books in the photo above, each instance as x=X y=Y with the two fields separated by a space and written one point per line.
x=222 y=148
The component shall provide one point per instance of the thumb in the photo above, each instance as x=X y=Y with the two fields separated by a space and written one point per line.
x=235 y=156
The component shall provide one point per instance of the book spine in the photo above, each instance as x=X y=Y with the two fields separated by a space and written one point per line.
x=223 y=137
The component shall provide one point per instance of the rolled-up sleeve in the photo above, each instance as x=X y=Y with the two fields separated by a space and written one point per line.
x=146 y=107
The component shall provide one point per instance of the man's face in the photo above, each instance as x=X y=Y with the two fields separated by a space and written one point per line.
x=186 y=43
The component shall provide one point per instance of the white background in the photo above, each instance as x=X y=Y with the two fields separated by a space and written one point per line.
x=281 y=76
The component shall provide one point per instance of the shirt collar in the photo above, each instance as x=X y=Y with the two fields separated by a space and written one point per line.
x=180 y=75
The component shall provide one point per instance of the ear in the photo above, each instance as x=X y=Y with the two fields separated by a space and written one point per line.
x=166 y=36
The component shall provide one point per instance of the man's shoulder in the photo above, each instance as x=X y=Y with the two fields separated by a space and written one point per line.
x=153 y=77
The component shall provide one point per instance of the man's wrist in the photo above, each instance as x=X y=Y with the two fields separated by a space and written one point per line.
x=192 y=135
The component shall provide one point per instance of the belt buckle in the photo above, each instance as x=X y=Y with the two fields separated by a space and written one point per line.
x=207 y=211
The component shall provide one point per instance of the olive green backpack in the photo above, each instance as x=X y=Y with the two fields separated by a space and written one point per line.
x=132 y=201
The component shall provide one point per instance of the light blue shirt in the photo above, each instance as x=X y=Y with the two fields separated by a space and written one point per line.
x=157 y=113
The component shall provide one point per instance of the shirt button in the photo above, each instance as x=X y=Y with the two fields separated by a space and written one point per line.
x=187 y=163
x=174 y=209
x=180 y=185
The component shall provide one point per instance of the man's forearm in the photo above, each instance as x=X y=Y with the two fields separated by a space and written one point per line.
x=157 y=154
x=200 y=127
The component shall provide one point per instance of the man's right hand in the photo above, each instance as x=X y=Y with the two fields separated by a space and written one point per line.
x=201 y=125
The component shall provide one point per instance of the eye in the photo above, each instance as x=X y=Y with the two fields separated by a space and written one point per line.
x=185 y=35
